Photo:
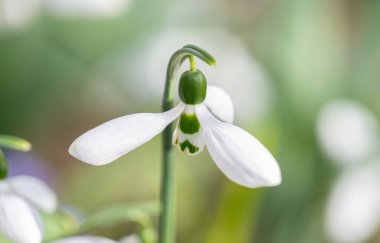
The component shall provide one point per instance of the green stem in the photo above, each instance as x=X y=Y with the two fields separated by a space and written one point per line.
x=167 y=216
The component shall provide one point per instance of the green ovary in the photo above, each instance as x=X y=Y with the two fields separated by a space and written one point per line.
x=192 y=87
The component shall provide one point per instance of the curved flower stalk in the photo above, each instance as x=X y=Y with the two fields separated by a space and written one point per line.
x=20 y=197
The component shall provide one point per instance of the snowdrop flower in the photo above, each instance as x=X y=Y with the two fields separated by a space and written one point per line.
x=347 y=131
x=204 y=120
x=353 y=207
x=19 y=198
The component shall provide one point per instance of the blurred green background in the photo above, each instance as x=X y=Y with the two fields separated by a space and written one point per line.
x=67 y=66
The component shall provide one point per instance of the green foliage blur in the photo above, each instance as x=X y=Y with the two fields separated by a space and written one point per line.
x=61 y=76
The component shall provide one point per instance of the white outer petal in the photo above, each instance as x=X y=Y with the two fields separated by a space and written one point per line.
x=85 y=239
x=17 y=221
x=239 y=155
x=219 y=103
x=35 y=191
x=119 y=136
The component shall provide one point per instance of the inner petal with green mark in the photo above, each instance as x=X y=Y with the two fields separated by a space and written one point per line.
x=188 y=133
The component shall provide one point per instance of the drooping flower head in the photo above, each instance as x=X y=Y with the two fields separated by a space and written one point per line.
x=205 y=115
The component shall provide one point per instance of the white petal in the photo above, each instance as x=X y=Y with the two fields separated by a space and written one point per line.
x=219 y=103
x=85 y=239
x=119 y=136
x=239 y=155
x=35 y=191
x=17 y=221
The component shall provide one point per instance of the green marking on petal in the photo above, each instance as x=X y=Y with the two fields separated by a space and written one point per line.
x=188 y=123
x=186 y=144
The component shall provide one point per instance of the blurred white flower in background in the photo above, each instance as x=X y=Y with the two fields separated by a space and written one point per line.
x=347 y=131
x=17 y=14
x=238 y=72
x=87 y=8
x=20 y=196
x=353 y=207
x=348 y=134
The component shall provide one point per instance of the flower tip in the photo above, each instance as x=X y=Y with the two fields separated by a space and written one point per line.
x=86 y=155
x=72 y=150
x=75 y=152
x=268 y=183
x=270 y=180
x=273 y=179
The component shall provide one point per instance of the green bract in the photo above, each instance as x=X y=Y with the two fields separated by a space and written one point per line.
x=192 y=87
